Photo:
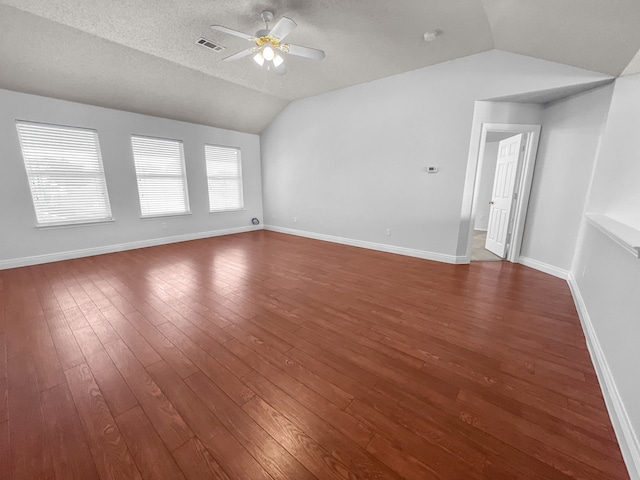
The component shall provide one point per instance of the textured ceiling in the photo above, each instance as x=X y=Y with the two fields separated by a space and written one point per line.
x=141 y=56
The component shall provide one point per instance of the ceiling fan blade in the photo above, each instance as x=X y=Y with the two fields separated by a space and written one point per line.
x=283 y=28
x=230 y=31
x=312 y=53
x=280 y=69
x=238 y=55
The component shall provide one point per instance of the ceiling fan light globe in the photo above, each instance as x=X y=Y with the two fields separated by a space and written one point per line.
x=258 y=58
x=277 y=60
x=268 y=53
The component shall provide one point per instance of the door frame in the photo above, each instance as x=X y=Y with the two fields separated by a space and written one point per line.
x=531 y=138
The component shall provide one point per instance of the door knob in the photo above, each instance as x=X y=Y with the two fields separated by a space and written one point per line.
x=491 y=202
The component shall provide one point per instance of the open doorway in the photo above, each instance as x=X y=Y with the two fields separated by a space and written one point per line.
x=502 y=185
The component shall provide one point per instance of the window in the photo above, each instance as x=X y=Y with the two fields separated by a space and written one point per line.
x=224 y=173
x=65 y=173
x=162 y=182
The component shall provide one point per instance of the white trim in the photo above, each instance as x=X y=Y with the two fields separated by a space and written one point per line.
x=625 y=235
x=235 y=210
x=381 y=247
x=53 y=226
x=627 y=438
x=88 y=252
x=164 y=215
x=544 y=267
x=524 y=192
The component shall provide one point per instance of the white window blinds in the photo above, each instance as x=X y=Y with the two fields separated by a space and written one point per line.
x=224 y=173
x=65 y=173
x=162 y=182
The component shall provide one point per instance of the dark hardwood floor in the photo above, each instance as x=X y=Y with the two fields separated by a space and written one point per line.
x=267 y=356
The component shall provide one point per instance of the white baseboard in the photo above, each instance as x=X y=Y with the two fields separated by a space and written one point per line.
x=438 y=257
x=544 y=267
x=88 y=252
x=627 y=438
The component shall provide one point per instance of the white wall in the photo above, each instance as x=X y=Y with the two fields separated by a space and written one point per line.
x=567 y=151
x=606 y=277
x=616 y=186
x=351 y=163
x=21 y=242
x=485 y=187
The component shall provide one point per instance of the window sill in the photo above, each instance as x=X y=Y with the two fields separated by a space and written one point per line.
x=235 y=210
x=168 y=215
x=625 y=235
x=52 y=226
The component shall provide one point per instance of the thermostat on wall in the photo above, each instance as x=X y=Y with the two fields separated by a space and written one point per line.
x=432 y=169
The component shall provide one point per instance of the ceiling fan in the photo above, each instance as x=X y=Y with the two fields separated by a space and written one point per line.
x=269 y=48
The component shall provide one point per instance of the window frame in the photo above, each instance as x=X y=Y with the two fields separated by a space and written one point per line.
x=239 y=177
x=183 y=166
x=98 y=175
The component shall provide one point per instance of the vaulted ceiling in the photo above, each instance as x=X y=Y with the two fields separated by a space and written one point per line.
x=141 y=56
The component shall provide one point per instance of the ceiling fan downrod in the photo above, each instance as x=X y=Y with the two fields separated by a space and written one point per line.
x=267 y=16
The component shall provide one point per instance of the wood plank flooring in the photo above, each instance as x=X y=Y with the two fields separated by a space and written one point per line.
x=267 y=356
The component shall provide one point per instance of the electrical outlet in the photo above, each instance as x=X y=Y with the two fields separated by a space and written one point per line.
x=295 y=219
x=164 y=225
x=388 y=232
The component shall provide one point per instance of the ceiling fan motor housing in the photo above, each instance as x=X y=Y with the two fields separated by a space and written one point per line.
x=267 y=16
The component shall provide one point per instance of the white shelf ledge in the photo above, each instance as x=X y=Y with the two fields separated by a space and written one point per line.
x=625 y=235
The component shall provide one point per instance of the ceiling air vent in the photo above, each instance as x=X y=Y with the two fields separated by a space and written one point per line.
x=210 y=45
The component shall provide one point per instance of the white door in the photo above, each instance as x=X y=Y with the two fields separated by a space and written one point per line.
x=503 y=193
